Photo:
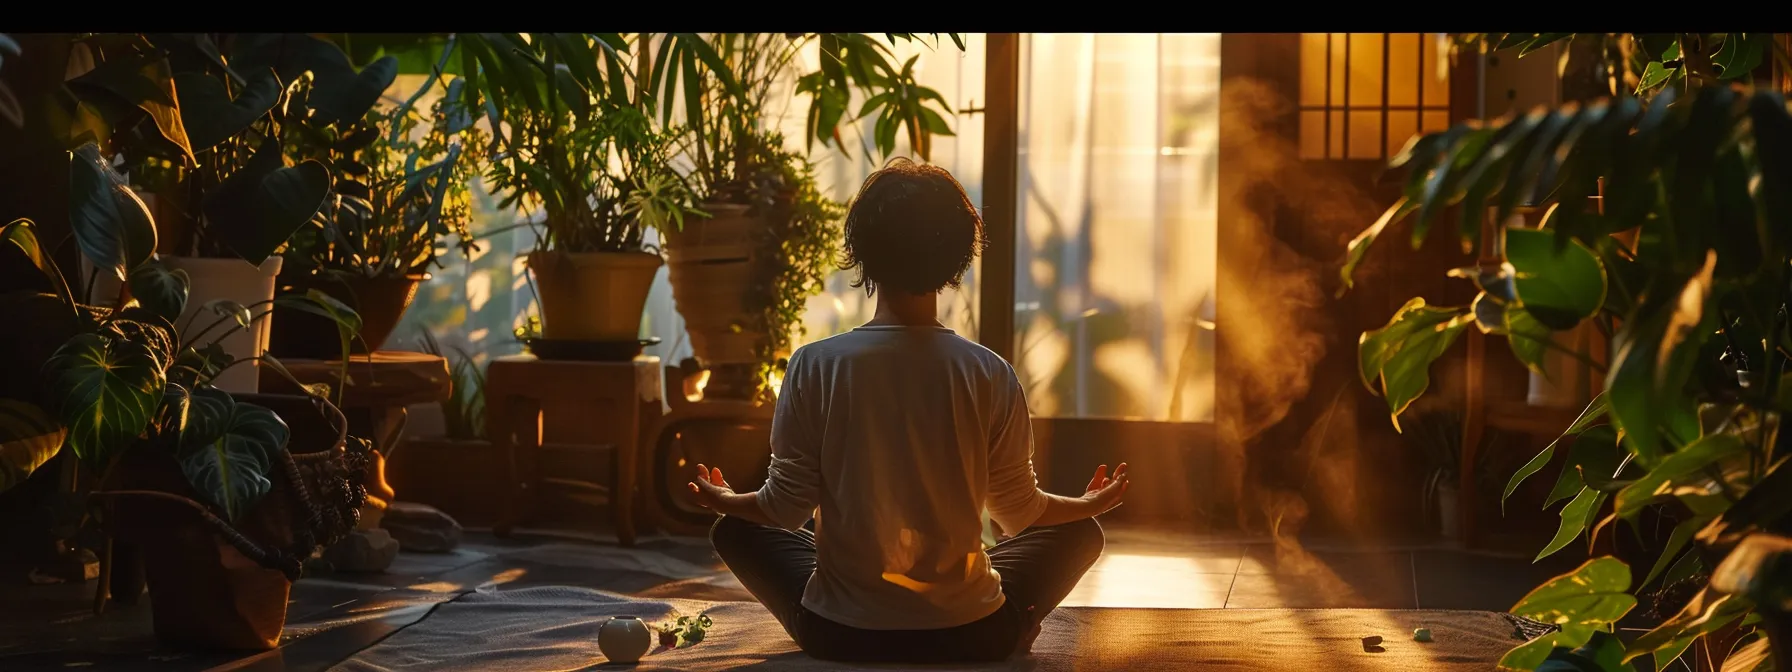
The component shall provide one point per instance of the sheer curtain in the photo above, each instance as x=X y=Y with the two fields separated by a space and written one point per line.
x=1116 y=228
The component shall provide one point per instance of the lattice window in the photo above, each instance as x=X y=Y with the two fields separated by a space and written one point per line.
x=1363 y=95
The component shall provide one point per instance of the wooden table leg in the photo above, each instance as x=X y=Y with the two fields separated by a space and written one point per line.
x=519 y=436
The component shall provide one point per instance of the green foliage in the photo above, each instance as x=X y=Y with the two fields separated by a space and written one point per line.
x=1692 y=294
x=463 y=413
x=29 y=437
x=227 y=450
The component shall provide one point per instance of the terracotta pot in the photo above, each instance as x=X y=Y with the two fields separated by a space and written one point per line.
x=380 y=301
x=592 y=296
x=715 y=270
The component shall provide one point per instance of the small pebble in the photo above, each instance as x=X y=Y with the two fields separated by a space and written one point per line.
x=1372 y=640
x=1421 y=635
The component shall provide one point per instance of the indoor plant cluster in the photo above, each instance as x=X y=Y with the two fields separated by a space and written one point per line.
x=1686 y=265
x=206 y=484
x=608 y=139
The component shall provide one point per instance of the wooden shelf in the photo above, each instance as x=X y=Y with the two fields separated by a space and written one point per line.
x=1537 y=420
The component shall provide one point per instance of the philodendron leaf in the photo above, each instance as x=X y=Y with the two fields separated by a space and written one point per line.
x=1688 y=462
x=1359 y=246
x=1581 y=602
x=211 y=115
x=105 y=390
x=1603 y=652
x=1579 y=515
x=1594 y=594
x=112 y=225
x=259 y=206
x=29 y=437
x=1596 y=450
x=1654 y=355
x=1529 y=338
x=1594 y=413
x=160 y=289
x=1559 y=285
x=229 y=449
x=1400 y=354
x=147 y=84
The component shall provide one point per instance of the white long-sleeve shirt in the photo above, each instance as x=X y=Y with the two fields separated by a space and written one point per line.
x=901 y=436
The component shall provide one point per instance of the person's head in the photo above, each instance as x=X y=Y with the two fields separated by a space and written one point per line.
x=911 y=230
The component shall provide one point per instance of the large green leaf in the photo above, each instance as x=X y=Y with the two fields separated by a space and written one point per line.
x=1528 y=337
x=105 y=390
x=1594 y=413
x=1577 y=517
x=1603 y=652
x=1581 y=602
x=25 y=265
x=1359 y=246
x=228 y=450
x=211 y=116
x=1595 y=451
x=1400 y=354
x=259 y=206
x=1707 y=612
x=339 y=92
x=160 y=289
x=1594 y=594
x=29 y=437
x=1656 y=351
x=1677 y=541
x=112 y=225
x=1558 y=285
x=1662 y=479
x=146 y=83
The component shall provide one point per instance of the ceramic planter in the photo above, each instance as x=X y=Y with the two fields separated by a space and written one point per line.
x=592 y=296
x=380 y=301
x=718 y=280
x=624 y=639
x=228 y=279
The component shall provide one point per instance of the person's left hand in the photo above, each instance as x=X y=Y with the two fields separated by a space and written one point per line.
x=710 y=487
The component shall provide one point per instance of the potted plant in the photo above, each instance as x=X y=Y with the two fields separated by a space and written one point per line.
x=204 y=483
x=396 y=192
x=573 y=148
x=1686 y=268
x=201 y=138
x=1439 y=435
x=742 y=272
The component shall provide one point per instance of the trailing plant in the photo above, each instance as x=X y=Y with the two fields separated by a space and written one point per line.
x=1687 y=267
x=681 y=631
x=396 y=190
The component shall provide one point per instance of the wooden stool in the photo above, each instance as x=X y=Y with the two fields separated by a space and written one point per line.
x=621 y=397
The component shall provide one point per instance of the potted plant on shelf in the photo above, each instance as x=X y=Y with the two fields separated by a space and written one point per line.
x=1686 y=268
x=742 y=272
x=451 y=470
x=395 y=193
x=202 y=140
x=575 y=149
x=204 y=483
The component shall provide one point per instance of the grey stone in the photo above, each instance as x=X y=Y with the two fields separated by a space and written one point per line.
x=421 y=527
x=363 y=551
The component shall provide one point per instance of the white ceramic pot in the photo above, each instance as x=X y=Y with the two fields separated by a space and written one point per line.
x=624 y=639
x=232 y=280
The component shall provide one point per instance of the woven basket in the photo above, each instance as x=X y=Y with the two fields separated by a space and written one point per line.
x=219 y=584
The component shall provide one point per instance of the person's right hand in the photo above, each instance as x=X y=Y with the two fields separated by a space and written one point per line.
x=1106 y=491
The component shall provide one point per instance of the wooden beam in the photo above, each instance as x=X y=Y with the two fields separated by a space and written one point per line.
x=1001 y=163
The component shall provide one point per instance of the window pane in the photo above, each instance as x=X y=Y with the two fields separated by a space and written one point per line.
x=1435 y=121
x=1403 y=70
x=1115 y=233
x=1335 y=143
x=1365 y=70
x=1312 y=134
x=1337 y=43
x=1312 y=69
x=1401 y=127
x=1365 y=135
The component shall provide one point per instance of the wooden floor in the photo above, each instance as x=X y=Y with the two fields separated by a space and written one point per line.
x=1151 y=568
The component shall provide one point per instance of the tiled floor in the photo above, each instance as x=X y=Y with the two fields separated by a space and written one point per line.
x=1151 y=568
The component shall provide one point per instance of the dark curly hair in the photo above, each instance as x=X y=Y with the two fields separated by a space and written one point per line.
x=912 y=230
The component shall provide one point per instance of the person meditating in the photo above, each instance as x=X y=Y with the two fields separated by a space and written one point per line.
x=902 y=433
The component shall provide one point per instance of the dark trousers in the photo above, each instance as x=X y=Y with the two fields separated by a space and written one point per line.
x=1038 y=568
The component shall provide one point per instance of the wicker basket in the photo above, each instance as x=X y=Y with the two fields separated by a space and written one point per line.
x=217 y=584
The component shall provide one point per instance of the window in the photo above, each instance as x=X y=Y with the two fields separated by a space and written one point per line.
x=1363 y=95
x=1116 y=226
